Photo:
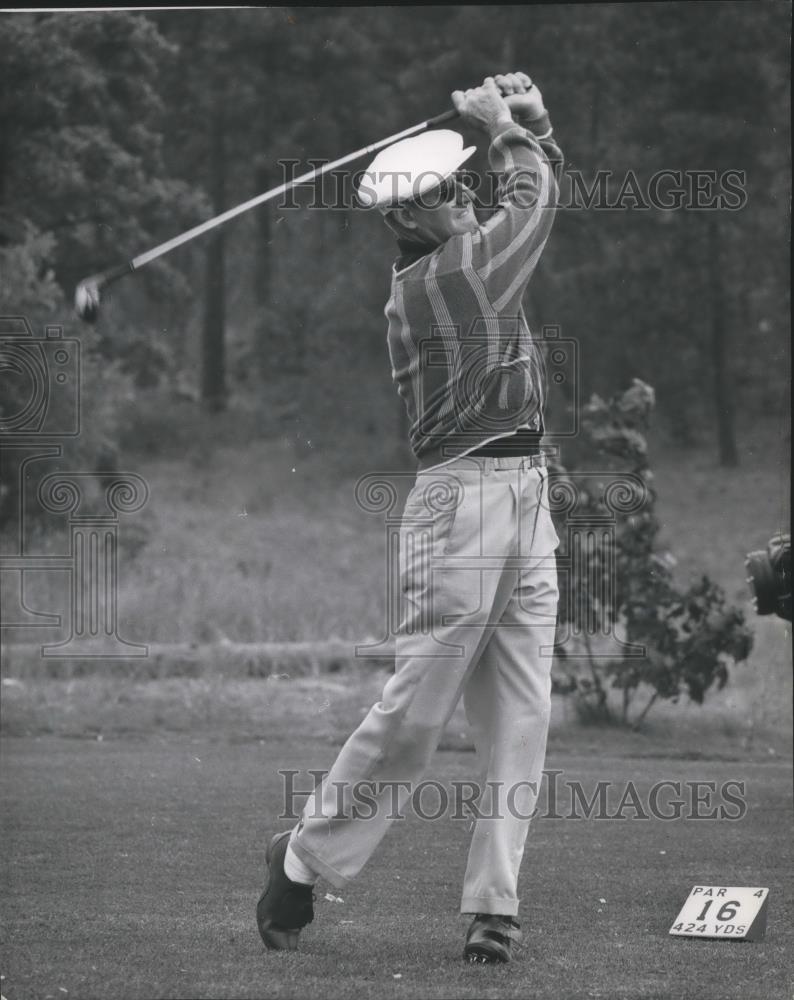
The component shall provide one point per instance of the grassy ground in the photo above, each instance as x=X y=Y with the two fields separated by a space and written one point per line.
x=331 y=706
x=132 y=855
x=265 y=543
x=131 y=869
x=235 y=538
x=711 y=516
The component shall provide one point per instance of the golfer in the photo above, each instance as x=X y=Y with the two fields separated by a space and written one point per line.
x=477 y=562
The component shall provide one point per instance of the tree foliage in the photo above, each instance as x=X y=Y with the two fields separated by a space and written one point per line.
x=121 y=129
x=108 y=149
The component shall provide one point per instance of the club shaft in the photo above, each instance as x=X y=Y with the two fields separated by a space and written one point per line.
x=310 y=175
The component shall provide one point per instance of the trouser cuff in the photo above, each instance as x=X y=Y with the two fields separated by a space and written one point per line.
x=489 y=904
x=322 y=868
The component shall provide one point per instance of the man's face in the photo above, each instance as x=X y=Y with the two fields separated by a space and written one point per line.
x=441 y=213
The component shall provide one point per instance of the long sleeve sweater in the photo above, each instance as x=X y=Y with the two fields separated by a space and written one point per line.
x=462 y=355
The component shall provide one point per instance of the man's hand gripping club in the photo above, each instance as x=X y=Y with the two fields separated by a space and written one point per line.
x=498 y=99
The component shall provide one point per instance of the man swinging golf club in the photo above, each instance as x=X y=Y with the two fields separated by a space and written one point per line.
x=477 y=565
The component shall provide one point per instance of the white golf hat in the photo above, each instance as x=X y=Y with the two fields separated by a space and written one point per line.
x=411 y=168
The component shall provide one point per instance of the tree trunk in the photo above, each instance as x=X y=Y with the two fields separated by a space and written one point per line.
x=264 y=274
x=213 y=374
x=641 y=717
x=724 y=390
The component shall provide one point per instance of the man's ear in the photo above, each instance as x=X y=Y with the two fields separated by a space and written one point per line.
x=404 y=217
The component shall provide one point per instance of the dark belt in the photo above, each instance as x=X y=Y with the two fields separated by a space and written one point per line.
x=522 y=443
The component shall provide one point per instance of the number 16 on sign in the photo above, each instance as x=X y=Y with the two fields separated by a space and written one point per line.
x=719 y=911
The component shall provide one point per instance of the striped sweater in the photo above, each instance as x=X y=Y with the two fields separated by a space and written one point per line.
x=461 y=352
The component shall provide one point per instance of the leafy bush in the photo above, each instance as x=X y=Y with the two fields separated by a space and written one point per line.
x=690 y=637
x=30 y=300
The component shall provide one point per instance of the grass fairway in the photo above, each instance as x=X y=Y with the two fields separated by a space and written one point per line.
x=132 y=859
x=132 y=868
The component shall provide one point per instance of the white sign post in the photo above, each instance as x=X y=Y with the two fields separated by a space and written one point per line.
x=718 y=911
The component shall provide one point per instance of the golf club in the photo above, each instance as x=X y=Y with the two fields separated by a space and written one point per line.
x=88 y=292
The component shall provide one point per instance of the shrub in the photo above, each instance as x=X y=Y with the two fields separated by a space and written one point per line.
x=691 y=637
x=30 y=300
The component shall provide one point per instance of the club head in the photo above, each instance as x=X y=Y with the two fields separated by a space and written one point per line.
x=87 y=299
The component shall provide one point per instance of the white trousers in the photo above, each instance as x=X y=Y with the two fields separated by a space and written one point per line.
x=478 y=597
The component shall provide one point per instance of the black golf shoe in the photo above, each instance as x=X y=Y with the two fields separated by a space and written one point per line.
x=490 y=938
x=285 y=907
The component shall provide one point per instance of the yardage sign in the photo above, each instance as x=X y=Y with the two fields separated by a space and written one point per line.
x=718 y=911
